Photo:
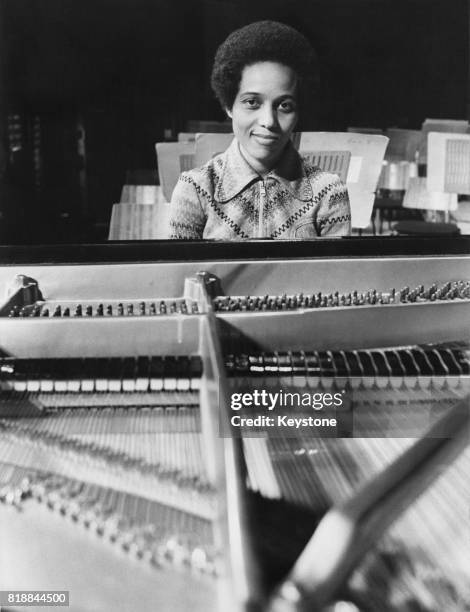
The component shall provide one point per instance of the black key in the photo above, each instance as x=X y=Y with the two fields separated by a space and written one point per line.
x=409 y=362
x=380 y=363
x=142 y=367
x=425 y=368
x=367 y=363
x=128 y=368
x=341 y=365
x=354 y=364
x=156 y=367
x=195 y=367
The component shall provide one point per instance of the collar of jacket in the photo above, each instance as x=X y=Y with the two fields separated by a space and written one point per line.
x=236 y=174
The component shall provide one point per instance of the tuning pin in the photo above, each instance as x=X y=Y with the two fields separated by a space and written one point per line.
x=57 y=311
x=100 y=310
x=130 y=309
x=36 y=311
x=109 y=310
x=142 y=308
x=153 y=309
x=45 y=312
x=120 y=309
x=14 y=312
x=89 y=311
x=194 y=308
x=162 y=307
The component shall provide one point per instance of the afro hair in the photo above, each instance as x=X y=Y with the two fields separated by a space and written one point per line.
x=262 y=41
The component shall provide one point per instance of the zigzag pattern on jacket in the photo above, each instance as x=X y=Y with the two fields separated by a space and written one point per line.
x=333 y=220
x=180 y=226
x=299 y=214
x=200 y=191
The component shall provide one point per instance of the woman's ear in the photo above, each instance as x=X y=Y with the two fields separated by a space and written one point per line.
x=229 y=113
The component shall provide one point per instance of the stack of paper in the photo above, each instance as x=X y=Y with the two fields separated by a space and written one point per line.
x=173 y=158
x=139 y=221
x=142 y=194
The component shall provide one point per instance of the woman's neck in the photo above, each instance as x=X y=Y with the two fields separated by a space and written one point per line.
x=259 y=167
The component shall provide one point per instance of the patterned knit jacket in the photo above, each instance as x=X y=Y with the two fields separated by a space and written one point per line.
x=227 y=200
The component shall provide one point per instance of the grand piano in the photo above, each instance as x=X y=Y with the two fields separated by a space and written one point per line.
x=124 y=480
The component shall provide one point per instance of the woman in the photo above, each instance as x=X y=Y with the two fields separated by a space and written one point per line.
x=260 y=187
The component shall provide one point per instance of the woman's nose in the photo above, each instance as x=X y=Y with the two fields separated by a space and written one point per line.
x=267 y=117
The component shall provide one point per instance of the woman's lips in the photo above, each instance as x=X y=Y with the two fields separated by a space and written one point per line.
x=265 y=140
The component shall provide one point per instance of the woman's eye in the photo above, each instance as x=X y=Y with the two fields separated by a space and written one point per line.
x=287 y=107
x=251 y=103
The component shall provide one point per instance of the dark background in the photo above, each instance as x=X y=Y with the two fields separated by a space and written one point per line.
x=89 y=86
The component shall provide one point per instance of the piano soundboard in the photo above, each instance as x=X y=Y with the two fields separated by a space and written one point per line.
x=115 y=386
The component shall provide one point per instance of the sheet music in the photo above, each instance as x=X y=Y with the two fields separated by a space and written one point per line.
x=418 y=196
x=449 y=162
x=367 y=152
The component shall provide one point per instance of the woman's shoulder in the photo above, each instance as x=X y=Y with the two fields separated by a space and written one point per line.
x=321 y=179
x=205 y=176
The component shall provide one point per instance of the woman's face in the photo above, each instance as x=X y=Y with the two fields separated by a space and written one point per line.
x=264 y=112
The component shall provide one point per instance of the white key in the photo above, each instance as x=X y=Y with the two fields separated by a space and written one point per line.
x=73 y=386
x=19 y=385
x=33 y=386
x=182 y=384
x=382 y=381
x=47 y=386
x=87 y=385
x=299 y=381
x=114 y=385
x=156 y=384
x=101 y=384
x=327 y=382
x=128 y=384
x=60 y=386
x=195 y=384
x=396 y=382
x=169 y=384
x=141 y=384
x=356 y=382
